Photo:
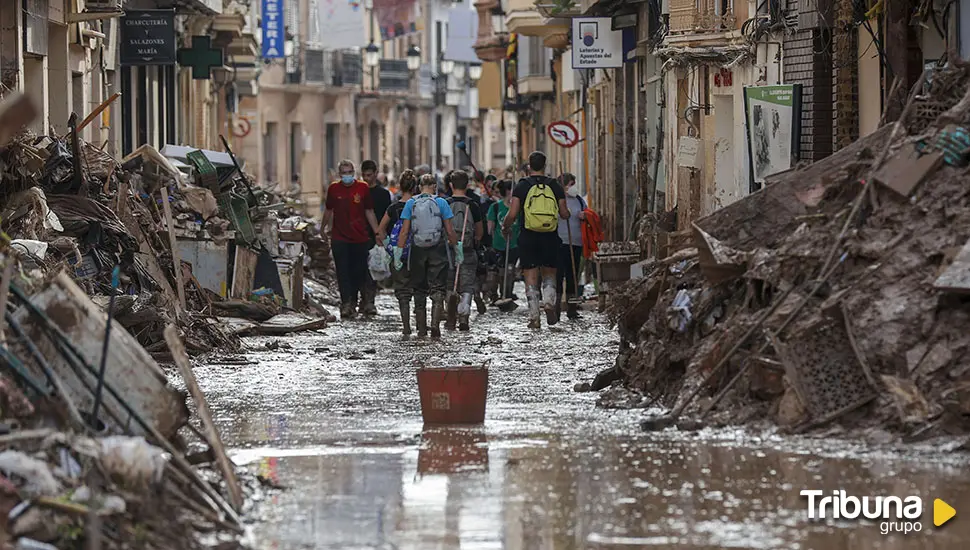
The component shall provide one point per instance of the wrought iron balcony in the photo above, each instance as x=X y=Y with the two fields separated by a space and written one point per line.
x=701 y=16
x=333 y=67
x=394 y=75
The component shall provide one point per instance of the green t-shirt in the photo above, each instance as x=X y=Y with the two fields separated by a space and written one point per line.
x=496 y=213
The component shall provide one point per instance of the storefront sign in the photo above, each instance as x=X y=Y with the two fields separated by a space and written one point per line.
x=773 y=116
x=273 y=29
x=148 y=38
x=595 y=44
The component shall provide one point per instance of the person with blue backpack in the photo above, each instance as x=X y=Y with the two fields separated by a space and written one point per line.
x=426 y=223
x=392 y=220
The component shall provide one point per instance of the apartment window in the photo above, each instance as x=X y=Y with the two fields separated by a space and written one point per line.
x=296 y=150
x=269 y=153
x=333 y=148
x=538 y=57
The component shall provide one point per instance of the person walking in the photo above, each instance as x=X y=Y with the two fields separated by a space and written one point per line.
x=388 y=233
x=427 y=221
x=381 y=199
x=500 y=241
x=538 y=202
x=571 y=251
x=348 y=215
x=485 y=290
x=467 y=223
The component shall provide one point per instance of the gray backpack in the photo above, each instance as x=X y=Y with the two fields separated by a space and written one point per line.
x=461 y=210
x=426 y=224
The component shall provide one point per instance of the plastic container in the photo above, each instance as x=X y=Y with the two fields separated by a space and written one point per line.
x=453 y=395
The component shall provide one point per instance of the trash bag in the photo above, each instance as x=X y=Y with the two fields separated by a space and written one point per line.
x=379 y=263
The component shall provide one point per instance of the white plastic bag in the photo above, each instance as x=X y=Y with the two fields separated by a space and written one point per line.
x=379 y=263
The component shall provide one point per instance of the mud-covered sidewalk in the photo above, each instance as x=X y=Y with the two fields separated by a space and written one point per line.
x=334 y=417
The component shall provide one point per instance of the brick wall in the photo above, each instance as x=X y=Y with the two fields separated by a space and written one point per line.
x=808 y=61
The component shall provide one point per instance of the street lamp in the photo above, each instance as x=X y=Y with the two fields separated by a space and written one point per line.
x=414 y=58
x=446 y=65
x=475 y=71
x=372 y=54
x=459 y=72
x=498 y=19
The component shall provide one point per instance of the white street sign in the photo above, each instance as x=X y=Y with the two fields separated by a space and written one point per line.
x=595 y=44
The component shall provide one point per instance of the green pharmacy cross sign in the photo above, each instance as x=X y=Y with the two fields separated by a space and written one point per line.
x=202 y=57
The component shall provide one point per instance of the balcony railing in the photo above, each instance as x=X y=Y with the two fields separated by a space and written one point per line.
x=333 y=67
x=701 y=16
x=394 y=75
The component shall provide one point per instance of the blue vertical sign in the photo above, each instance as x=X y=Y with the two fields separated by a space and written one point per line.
x=273 y=29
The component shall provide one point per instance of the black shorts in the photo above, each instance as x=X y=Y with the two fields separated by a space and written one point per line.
x=538 y=249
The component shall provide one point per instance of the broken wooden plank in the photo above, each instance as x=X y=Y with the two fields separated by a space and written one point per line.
x=907 y=169
x=130 y=369
x=176 y=257
x=956 y=277
x=286 y=323
x=243 y=273
x=202 y=407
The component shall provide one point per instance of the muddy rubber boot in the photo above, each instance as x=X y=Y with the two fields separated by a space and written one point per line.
x=451 y=314
x=480 y=303
x=437 y=312
x=368 y=297
x=347 y=312
x=558 y=306
x=572 y=311
x=532 y=295
x=421 y=317
x=405 y=307
x=549 y=296
x=464 y=311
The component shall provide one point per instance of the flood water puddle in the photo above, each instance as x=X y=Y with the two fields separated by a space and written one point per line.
x=336 y=420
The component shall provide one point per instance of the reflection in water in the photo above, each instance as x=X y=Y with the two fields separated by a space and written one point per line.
x=547 y=471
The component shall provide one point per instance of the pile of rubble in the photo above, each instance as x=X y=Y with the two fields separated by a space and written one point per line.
x=106 y=267
x=836 y=294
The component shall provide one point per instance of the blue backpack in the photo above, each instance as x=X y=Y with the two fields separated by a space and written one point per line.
x=392 y=240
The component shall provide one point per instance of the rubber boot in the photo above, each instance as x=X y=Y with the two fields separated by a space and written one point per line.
x=421 y=317
x=347 y=311
x=532 y=295
x=437 y=312
x=489 y=289
x=464 y=311
x=572 y=311
x=451 y=317
x=405 y=305
x=549 y=296
x=480 y=303
x=559 y=306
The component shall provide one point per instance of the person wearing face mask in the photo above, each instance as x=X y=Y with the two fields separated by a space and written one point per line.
x=349 y=216
x=574 y=247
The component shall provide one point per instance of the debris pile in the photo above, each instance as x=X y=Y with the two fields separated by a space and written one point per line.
x=106 y=267
x=837 y=293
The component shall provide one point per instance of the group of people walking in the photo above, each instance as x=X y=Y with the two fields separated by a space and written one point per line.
x=455 y=247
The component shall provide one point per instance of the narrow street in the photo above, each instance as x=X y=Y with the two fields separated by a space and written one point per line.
x=336 y=421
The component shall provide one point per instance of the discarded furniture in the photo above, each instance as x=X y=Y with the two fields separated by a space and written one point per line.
x=613 y=261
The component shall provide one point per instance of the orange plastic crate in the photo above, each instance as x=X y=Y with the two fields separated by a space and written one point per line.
x=453 y=395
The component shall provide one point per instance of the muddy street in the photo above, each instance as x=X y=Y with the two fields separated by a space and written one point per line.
x=334 y=417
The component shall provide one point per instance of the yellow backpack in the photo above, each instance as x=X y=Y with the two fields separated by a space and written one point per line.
x=541 y=208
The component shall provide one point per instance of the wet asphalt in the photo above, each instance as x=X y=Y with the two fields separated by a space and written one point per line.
x=336 y=420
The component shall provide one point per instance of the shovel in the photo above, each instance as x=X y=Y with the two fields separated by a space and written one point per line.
x=453 y=299
x=506 y=304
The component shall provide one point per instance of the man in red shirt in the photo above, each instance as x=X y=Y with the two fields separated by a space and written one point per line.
x=350 y=208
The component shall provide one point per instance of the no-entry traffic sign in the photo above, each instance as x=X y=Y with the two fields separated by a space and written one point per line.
x=563 y=133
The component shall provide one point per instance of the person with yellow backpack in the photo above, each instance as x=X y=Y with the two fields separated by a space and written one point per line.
x=538 y=203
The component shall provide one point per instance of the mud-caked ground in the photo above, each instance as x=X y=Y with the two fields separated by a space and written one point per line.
x=334 y=418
